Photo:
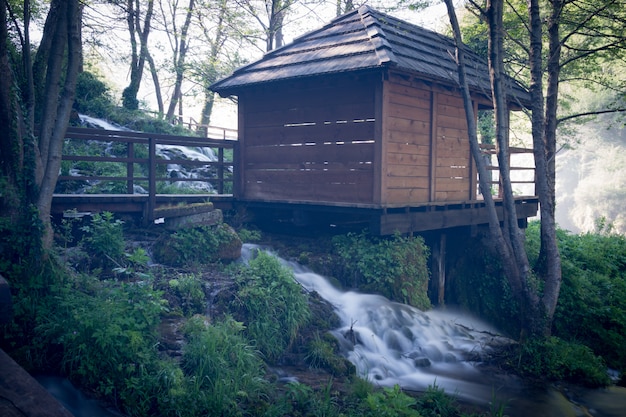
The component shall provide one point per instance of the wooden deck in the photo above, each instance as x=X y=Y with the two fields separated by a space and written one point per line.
x=280 y=207
x=131 y=162
x=385 y=221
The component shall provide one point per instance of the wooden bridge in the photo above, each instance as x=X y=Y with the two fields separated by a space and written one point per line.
x=125 y=172
x=130 y=179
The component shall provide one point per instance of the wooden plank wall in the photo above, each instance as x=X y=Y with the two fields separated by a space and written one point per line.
x=452 y=172
x=309 y=142
x=425 y=142
x=406 y=134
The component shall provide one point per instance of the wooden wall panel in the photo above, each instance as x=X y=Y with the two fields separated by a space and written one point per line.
x=452 y=163
x=310 y=143
x=407 y=138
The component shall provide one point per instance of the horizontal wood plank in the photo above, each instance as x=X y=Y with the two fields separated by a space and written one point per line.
x=318 y=133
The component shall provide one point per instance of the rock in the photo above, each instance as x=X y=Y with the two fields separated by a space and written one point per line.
x=422 y=362
x=230 y=249
x=201 y=245
x=22 y=396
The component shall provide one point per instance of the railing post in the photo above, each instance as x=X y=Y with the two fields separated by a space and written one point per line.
x=130 y=169
x=151 y=179
x=220 y=170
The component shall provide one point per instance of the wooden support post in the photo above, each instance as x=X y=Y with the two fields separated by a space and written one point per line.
x=439 y=267
x=130 y=168
x=149 y=217
x=220 y=170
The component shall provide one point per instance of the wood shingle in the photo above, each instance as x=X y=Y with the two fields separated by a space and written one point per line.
x=367 y=39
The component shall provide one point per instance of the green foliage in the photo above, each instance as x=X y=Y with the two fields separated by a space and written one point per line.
x=323 y=352
x=392 y=402
x=271 y=304
x=190 y=290
x=225 y=372
x=247 y=235
x=592 y=303
x=195 y=245
x=396 y=268
x=92 y=96
x=436 y=403
x=104 y=239
x=107 y=331
x=555 y=359
x=480 y=285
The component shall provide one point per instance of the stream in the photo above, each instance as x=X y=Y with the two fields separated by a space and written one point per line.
x=392 y=343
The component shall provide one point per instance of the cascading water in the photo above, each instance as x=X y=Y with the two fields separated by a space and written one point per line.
x=169 y=152
x=392 y=343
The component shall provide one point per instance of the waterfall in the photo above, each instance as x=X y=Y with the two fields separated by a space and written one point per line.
x=392 y=343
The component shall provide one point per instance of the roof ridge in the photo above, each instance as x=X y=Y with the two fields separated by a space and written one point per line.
x=377 y=35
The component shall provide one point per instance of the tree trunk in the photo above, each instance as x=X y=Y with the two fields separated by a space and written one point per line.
x=58 y=117
x=501 y=245
x=544 y=146
x=11 y=149
x=179 y=64
x=157 y=84
x=138 y=55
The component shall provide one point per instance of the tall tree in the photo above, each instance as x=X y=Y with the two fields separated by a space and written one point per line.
x=179 y=43
x=139 y=31
x=508 y=242
x=225 y=30
x=344 y=6
x=40 y=94
x=270 y=15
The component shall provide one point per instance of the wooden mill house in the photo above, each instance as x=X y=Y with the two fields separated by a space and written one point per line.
x=362 y=120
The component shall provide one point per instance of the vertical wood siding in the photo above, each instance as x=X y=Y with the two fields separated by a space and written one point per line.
x=427 y=150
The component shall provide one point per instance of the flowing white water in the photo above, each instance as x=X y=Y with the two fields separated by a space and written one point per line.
x=392 y=343
x=171 y=152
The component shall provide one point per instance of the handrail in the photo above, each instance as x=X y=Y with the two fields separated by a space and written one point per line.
x=137 y=143
x=516 y=165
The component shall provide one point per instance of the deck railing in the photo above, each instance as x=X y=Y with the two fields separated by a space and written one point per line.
x=522 y=170
x=132 y=160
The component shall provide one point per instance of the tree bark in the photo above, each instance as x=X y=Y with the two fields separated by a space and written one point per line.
x=501 y=245
x=138 y=55
x=179 y=64
x=544 y=147
x=57 y=118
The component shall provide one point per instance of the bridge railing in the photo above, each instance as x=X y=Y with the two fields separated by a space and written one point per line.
x=124 y=162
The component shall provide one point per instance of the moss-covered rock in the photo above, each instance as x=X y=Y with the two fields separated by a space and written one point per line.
x=197 y=245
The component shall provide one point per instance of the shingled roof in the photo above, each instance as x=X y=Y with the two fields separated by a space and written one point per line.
x=366 y=39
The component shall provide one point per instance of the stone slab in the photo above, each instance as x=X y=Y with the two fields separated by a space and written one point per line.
x=21 y=395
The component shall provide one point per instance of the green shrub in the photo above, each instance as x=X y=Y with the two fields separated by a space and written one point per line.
x=592 y=303
x=396 y=268
x=104 y=239
x=188 y=287
x=225 y=372
x=436 y=403
x=323 y=352
x=92 y=96
x=271 y=304
x=555 y=359
x=107 y=331
x=392 y=402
